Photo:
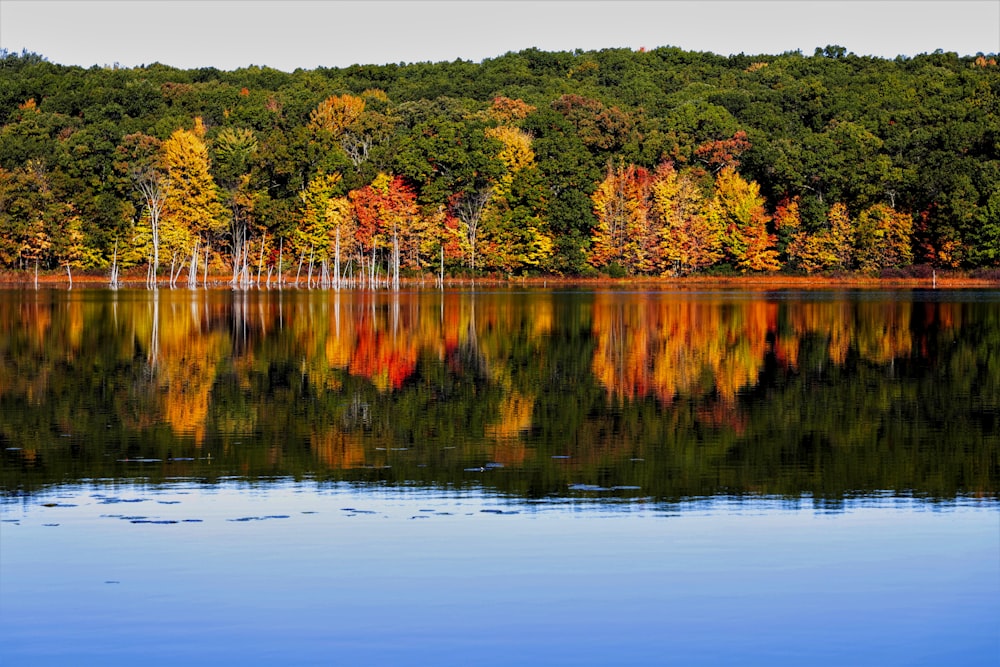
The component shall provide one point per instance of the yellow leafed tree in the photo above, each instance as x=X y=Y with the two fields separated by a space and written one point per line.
x=738 y=209
x=883 y=239
x=191 y=209
x=515 y=154
x=688 y=239
x=325 y=218
x=335 y=114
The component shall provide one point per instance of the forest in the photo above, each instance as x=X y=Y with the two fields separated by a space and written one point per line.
x=658 y=162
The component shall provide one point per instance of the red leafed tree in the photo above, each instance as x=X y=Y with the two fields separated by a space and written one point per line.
x=723 y=153
x=387 y=213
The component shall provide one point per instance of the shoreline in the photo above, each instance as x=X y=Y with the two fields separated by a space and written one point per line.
x=53 y=280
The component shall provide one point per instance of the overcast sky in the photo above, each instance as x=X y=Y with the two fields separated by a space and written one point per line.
x=229 y=34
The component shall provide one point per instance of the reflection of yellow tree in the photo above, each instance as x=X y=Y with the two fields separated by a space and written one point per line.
x=746 y=344
x=878 y=331
x=515 y=418
x=336 y=449
x=188 y=357
x=883 y=330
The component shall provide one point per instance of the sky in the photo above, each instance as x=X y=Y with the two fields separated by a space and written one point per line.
x=291 y=34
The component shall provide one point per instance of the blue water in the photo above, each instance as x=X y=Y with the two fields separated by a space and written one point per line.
x=305 y=573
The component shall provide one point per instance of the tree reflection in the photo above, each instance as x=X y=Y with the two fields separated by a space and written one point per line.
x=673 y=393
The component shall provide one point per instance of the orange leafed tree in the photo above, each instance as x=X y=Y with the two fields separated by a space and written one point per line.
x=508 y=111
x=624 y=234
x=688 y=240
x=738 y=209
x=724 y=152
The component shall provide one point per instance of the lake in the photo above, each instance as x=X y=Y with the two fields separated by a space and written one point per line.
x=697 y=476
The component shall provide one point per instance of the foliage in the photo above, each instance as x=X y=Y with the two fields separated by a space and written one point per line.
x=737 y=209
x=689 y=239
x=511 y=154
x=191 y=206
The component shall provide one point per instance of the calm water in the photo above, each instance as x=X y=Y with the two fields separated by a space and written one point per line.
x=506 y=477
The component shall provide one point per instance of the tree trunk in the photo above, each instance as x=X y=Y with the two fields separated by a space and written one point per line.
x=260 y=262
x=336 y=262
x=193 y=267
x=309 y=280
x=113 y=283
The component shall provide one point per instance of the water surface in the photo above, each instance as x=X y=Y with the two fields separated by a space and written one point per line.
x=529 y=476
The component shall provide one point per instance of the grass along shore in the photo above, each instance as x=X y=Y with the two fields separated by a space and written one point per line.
x=136 y=279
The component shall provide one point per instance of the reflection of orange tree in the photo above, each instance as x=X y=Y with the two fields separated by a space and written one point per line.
x=650 y=346
x=381 y=339
x=515 y=418
x=386 y=359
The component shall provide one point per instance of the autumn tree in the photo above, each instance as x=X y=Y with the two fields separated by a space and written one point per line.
x=689 y=240
x=722 y=153
x=738 y=209
x=831 y=247
x=192 y=212
x=335 y=114
x=386 y=212
x=624 y=238
x=787 y=221
x=515 y=235
x=882 y=239
x=509 y=112
x=37 y=227
x=327 y=226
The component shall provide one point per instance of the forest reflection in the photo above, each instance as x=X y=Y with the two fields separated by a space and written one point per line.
x=664 y=393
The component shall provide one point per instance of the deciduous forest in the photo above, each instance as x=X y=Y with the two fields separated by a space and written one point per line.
x=616 y=162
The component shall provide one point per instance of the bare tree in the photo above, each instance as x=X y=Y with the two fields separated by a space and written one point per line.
x=357 y=147
x=470 y=211
x=149 y=182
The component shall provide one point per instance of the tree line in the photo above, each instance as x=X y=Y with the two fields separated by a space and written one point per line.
x=613 y=162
